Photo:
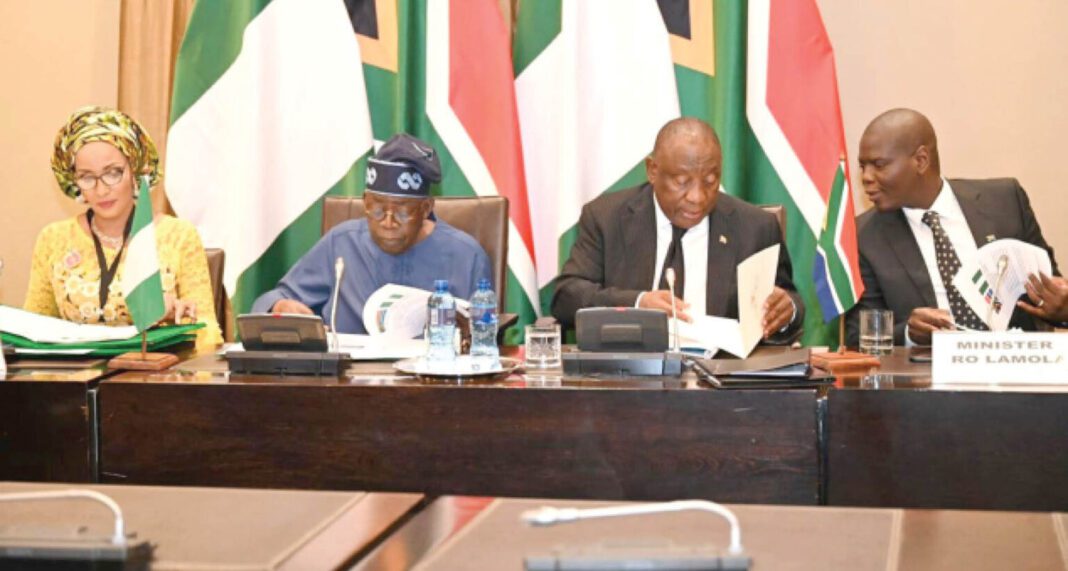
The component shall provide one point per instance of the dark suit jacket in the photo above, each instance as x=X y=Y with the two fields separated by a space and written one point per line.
x=614 y=258
x=895 y=276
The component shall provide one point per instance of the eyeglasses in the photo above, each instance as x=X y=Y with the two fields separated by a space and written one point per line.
x=110 y=178
x=401 y=215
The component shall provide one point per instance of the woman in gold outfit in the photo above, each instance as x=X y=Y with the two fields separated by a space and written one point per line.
x=77 y=266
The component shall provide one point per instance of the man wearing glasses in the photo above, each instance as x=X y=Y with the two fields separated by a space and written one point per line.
x=399 y=242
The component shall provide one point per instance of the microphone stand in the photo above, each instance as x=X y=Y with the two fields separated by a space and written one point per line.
x=669 y=275
x=339 y=268
x=546 y=516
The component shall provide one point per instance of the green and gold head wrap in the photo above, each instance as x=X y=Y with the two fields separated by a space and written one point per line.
x=90 y=124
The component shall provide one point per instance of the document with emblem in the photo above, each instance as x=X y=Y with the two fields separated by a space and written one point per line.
x=756 y=281
x=992 y=287
x=400 y=311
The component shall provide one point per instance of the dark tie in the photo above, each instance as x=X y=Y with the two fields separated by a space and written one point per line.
x=674 y=259
x=948 y=265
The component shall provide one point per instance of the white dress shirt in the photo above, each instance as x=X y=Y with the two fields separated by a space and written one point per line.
x=695 y=259
x=960 y=236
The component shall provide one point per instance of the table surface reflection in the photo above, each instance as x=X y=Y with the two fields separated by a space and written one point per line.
x=897 y=371
x=459 y=533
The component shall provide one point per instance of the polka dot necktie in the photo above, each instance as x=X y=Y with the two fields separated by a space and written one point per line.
x=948 y=265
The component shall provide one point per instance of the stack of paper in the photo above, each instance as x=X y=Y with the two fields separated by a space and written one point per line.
x=33 y=334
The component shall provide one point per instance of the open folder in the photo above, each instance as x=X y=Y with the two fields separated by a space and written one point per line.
x=783 y=369
x=33 y=334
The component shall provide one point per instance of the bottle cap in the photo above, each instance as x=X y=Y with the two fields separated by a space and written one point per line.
x=483 y=283
x=441 y=285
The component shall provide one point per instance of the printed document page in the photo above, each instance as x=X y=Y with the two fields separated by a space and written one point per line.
x=1011 y=260
x=756 y=281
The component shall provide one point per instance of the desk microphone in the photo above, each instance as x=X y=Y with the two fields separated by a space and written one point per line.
x=339 y=268
x=546 y=516
x=669 y=275
x=1003 y=264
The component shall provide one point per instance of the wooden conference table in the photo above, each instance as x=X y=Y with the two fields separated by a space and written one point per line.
x=894 y=439
x=532 y=435
x=47 y=421
x=890 y=440
x=199 y=528
x=464 y=533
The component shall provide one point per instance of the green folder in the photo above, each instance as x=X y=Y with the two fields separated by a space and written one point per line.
x=158 y=338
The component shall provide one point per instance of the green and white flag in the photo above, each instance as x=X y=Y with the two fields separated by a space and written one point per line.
x=275 y=103
x=596 y=79
x=141 y=283
x=594 y=83
x=269 y=115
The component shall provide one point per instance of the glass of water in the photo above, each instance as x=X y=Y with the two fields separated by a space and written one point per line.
x=876 y=331
x=542 y=348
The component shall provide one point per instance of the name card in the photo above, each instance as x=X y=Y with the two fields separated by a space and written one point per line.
x=1004 y=358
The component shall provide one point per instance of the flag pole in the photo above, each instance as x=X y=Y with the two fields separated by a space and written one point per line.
x=145 y=302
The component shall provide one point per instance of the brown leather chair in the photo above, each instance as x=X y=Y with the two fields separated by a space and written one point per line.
x=216 y=263
x=780 y=213
x=484 y=218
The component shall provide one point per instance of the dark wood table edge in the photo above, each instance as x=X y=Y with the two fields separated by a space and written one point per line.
x=92 y=423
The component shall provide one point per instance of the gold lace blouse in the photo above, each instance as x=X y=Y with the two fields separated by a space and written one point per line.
x=65 y=276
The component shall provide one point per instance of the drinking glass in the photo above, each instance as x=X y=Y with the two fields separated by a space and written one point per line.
x=542 y=348
x=876 y=331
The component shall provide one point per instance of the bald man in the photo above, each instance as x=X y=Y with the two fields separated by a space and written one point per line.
x=921 y=220
x=678 y=219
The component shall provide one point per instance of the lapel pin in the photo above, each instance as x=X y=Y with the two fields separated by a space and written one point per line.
x=722 y=239
x=989 y=237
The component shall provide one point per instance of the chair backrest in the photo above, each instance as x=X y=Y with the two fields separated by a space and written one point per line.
x=780 y=214
x=216 y=263
x=484 y=218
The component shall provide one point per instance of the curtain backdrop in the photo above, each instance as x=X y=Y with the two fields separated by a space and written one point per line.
x=150 y=33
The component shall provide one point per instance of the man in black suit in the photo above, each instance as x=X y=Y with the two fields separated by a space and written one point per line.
x=923 y=227
x=679 y=219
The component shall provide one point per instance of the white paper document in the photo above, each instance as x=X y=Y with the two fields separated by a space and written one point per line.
x=992 y=288
x=399 y=311
x=361 y=347
x=756 y=281
x=373 y=347
x=44 y=329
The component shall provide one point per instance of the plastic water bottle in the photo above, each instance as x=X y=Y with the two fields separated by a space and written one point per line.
x=441 y=323
x=484 y=324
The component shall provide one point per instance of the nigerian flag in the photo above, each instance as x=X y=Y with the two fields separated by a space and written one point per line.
x=141 y=284
x=269 y=115
x=275 y=103
x=442 y=71
x=596 y=79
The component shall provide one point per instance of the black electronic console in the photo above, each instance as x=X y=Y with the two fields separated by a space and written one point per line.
x=284 y=344
x=622 y=341
x=623 y=364
x=621 y=329
x=286 y=363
